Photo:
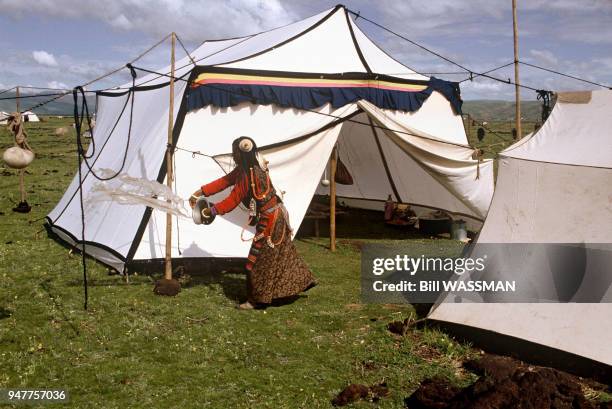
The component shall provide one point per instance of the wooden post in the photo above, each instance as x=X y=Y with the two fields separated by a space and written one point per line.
x=517 y=89
x=22 y=191
x=169 y=173
x=332 y=200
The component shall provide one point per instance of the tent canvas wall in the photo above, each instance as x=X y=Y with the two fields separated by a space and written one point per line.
x=553 y=186
x=296 y=90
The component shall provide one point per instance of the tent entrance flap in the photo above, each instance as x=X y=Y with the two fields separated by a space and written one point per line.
x=294 y=163
x=411 y=167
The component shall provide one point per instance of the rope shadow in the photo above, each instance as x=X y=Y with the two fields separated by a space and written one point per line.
x=45 y=286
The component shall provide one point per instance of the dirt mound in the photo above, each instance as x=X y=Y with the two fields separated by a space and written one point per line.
x=355 y=392
x=504 y=383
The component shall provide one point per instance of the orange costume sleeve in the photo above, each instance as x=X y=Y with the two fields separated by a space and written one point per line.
x=241 y=188
x=220 y=184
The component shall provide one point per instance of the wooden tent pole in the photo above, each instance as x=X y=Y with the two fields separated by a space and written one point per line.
x=517 y=89
x=169 y=173
x=22 y=191
x=332 y=199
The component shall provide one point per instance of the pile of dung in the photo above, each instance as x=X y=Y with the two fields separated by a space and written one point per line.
x=504 y=383
x=355 y=392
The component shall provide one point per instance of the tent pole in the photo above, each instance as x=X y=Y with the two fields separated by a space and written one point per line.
x=332 y=200
x=21 y=171
x=169 y=174
x=517 y=90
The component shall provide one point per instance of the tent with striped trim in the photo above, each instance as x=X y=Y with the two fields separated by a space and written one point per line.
x=296 y=90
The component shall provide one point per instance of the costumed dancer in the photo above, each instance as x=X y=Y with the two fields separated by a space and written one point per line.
x=274 y=268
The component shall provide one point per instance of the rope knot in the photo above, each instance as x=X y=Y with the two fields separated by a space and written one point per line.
x=132 y=70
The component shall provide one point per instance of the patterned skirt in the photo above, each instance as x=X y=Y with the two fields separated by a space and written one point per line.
x=275 y=271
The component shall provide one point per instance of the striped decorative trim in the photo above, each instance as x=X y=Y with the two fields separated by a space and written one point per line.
x=238 y=79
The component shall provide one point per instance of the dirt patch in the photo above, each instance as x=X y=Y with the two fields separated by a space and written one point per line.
x=402 y=327
x=167 y=287
x=399 y=327
x=356 y=245
x=355 y=392
x=353 y=307
x=504 y=383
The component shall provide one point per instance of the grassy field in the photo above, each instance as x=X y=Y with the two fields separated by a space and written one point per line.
x=135 y=349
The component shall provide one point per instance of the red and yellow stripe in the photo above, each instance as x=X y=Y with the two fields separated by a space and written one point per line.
x=222 y=78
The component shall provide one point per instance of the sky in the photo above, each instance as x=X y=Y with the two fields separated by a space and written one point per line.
x=63 y=43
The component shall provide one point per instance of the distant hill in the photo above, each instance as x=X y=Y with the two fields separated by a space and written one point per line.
x=62 y=106
x=492 y=110
x=484 y=110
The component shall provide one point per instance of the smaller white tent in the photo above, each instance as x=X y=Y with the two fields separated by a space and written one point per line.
x=554 y=186
x=29 y=116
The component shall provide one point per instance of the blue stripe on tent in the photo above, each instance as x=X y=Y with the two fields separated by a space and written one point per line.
x=228 y=95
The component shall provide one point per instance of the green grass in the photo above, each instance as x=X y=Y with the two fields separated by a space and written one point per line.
x=135 y=349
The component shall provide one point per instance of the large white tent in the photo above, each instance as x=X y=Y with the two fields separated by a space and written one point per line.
x=296 y=90
x=553 y=186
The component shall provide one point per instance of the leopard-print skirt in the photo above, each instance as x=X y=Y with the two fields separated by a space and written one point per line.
x=276 y=272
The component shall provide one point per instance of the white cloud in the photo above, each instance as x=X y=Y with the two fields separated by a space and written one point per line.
x=57 y=84
x=544 y=56
x=44 y=58
x=121 y=22
x=194 y=20
x=482 y=86
x=475 y=33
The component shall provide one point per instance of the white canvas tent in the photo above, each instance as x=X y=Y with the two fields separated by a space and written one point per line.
x=418 y=153
x=29 y=116
x=553 y=186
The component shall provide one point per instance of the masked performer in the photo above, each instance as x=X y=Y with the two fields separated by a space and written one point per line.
x=274 y=269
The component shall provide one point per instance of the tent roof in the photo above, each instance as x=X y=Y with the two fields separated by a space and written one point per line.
x=577 y=132
x=331 y=36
